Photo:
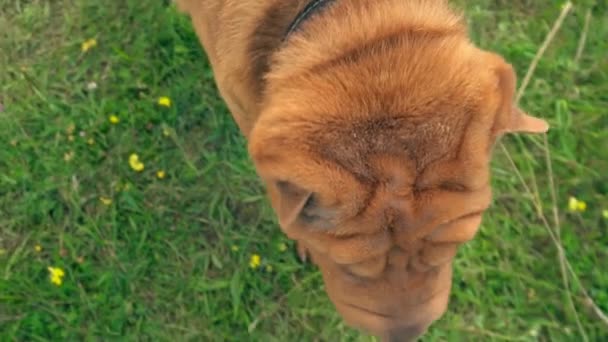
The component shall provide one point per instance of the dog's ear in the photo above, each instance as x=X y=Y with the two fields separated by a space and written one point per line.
x=299 y=206
x=510 y=118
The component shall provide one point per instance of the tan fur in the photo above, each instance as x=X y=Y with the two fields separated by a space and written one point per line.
x=372 y=127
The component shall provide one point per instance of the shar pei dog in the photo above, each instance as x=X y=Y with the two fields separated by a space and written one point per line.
x=372 y=125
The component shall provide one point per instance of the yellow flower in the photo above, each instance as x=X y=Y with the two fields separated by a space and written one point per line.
x=90 y=141
x=575 y=205
x=68 y=156
x=91 y=85
x=160 y=174
x=56 y=275
x=114 y=119
x=234 y=248
x=164 y=101
x=70 y=129
x=88 y=44
x=38 y=248
x=105 y=200
x=572 y=204
x=255 y=261
x=582 y=206
x=135 y=163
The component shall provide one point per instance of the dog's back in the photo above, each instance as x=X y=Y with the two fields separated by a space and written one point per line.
x=238 y=37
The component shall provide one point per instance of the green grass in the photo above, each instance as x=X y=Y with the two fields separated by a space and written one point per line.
x=158 y=262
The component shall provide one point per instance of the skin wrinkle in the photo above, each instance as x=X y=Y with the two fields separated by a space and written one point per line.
x=368 y=311
x=438 y=235
x=353 y=150
x=368 y=269
x=368 y=199
x=387 y=41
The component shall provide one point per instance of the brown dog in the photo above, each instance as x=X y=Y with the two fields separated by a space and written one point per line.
x=372 y=124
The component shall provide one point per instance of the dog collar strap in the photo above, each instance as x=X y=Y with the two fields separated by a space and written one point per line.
x=306 y=13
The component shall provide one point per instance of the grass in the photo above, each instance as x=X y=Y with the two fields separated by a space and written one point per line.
x=168 y=259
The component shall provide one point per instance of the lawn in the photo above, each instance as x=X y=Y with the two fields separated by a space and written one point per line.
x=166 y=256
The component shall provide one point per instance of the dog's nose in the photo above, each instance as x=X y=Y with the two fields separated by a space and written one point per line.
x=404 y=334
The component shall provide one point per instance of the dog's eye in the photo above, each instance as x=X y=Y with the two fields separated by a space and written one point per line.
x=308 y=214
x=304 y=206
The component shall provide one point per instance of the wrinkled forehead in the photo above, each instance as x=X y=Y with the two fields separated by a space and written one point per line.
x=413 y=143
x=342 y=152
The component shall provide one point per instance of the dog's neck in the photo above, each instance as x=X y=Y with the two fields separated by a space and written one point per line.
x=279 y=22
x=370 y=24
x=282 y=39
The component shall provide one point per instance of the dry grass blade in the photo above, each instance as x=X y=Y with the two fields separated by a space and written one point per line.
x=565 y=266
x=541 y=51
x=564 y=263
x=563 y=260
x=583 y=40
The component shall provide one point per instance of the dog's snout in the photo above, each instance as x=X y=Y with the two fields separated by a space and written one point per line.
x=404 y=334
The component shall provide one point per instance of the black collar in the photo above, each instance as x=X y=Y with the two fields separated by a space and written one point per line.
x=311 y=8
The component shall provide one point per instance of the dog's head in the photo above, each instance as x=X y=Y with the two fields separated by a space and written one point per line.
x=379 y=165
